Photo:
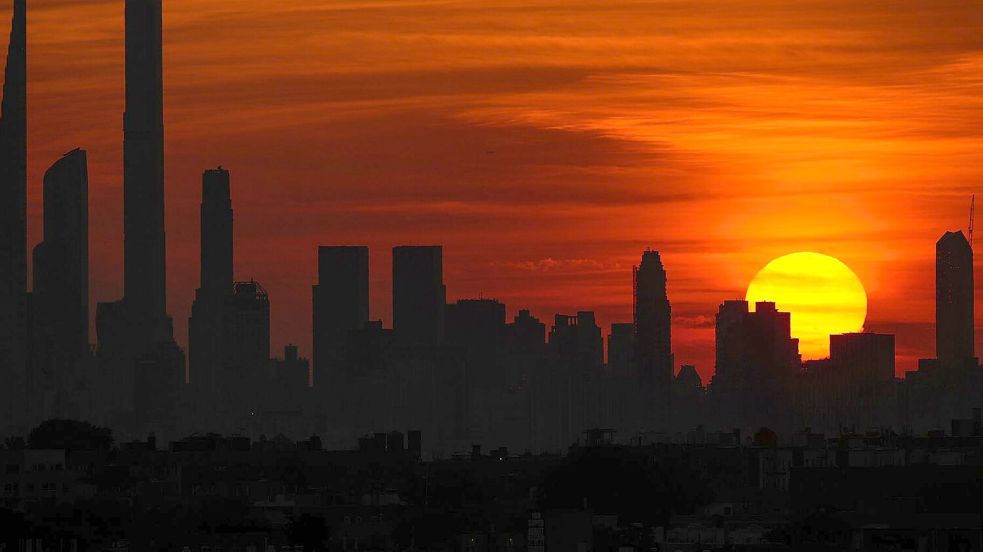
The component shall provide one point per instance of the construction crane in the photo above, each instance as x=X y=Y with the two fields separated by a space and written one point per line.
x=972 y=214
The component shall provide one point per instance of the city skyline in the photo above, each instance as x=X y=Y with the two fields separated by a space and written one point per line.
x=582 y=255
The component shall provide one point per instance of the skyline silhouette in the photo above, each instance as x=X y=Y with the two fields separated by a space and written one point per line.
x=470 y=422
x=564 y=224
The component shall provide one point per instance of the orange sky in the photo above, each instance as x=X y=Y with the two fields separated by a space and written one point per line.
x=545 y=144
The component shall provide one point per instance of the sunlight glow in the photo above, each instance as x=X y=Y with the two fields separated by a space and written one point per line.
x=824 y=296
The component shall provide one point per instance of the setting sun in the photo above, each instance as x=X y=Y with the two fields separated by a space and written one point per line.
x=824 y=296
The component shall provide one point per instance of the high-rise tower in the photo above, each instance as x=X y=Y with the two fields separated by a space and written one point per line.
x=59 y=306
x=13 y=225
x=216 y=232
x=341 y=305
x=653 y=346
x=61 y=261
x=143 y=163
x=208 y=325
x=418 y=294
x=954 y=332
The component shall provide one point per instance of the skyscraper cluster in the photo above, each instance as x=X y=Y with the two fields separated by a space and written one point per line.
x=459 y=371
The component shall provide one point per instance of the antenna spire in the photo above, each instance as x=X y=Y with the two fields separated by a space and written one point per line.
x=972 y=214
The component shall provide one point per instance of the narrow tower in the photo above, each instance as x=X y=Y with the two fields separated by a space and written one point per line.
x=13 y=226
x=653 y=346
x=143 y=164
x=954 y=318
x=208 y=326
x=216 y=232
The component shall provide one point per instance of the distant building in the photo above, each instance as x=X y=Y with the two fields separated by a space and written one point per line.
x=137 y=327
x=340 y=306
x=13 y=229
x=207 y=326
x=954 y=330
x=653 y=343
x=418 y=295
x=526 y=333
x=60 y=299
x=621 y=344
x=756 y=361
x=577 y=348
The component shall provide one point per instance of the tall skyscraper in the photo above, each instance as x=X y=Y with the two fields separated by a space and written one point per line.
x=653 y=345
x=136 y=333
x=340 y=305
x=207 y=325
x=143 y=164
x=13 y=226
x=954 y=331
x=60 y=301
x=418 y=294
x=216 y=232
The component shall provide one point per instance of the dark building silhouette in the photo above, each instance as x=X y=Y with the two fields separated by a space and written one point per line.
x=954 y=330
x=60 y=298
x=526 y=333
x=144 y=280
x=653 y=343
x=621 y=345
x=216 y=232
x=247 y=346
x=477 y=324
x=13 y=226
x=476 y=332
x=577 y=348
x=340 y=306
x=137 y=329
x=756 y=361
x=207 y=327
x=418 y=294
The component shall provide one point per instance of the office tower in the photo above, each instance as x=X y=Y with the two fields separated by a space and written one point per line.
x=862 y=390
x=61 y=261
x=621 y=344
x=476 y=324
x=418 y=295
x=476 y=337
x=756 y=359
x=206 y=327
x=340 y=306
x=577 y=347
x=526 y=334
x=653 y=347
x=954 y=332
x=13 y=226
x=60 y=300
x=216 y=232
x=248 y=322
x=137 y=329
x=143 y=164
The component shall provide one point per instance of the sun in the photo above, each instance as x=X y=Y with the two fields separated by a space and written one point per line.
x=824 y=296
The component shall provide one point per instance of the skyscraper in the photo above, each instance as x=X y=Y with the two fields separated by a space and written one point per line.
x=137 y=332
x=340 y=305
x=60 y=300
x=206 y=327
x=13 y=225
x=216 y=232
x=756 y=359
x=143 y=164
x=653 y=346
x=418 y=294
x=954 y=332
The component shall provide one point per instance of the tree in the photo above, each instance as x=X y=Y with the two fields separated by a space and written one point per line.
x=70 y=435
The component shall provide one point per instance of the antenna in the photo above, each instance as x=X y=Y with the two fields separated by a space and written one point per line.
x=972 y=214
